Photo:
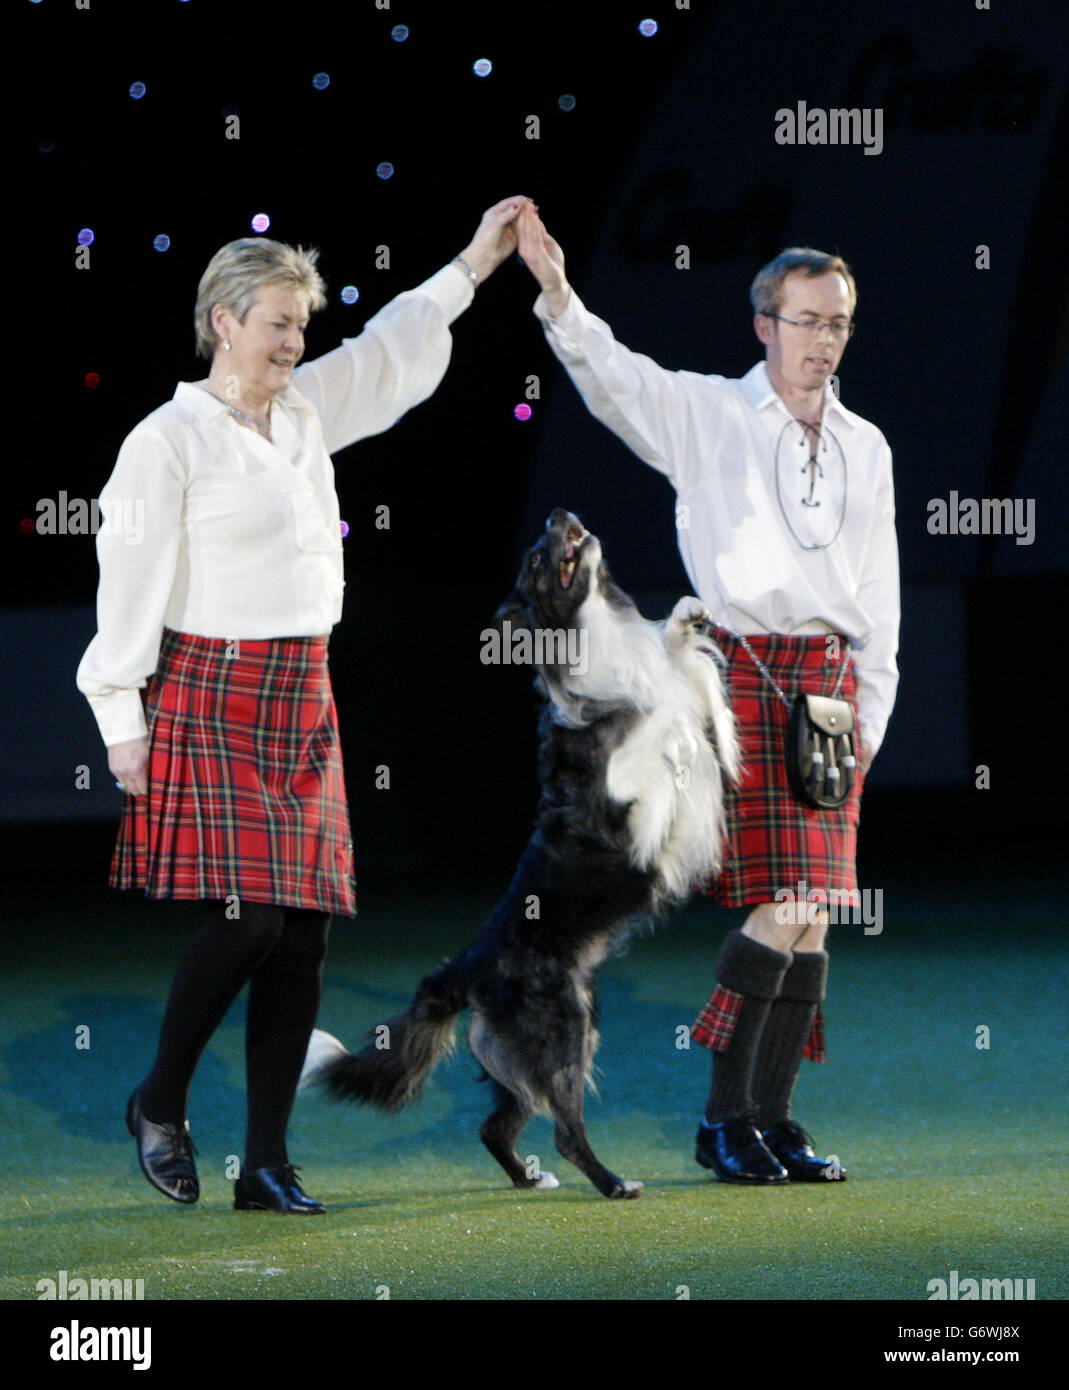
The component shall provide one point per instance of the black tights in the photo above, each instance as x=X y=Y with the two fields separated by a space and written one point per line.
x=280 y=951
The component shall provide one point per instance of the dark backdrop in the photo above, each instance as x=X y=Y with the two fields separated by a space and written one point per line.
x=670 y=142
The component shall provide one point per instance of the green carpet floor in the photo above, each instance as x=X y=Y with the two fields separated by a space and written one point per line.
x=956 y=1153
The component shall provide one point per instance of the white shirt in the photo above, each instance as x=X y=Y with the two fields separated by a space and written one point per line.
x=209 y=528
x=760 y=557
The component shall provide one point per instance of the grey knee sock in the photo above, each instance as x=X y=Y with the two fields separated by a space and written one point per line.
x=785 y=1035
x=756 y=972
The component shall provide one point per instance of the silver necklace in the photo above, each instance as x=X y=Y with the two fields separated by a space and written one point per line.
x=262 y=427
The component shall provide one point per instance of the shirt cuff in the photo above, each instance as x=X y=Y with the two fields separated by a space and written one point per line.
x=450 y=289
x=120 y=716
x=569 y=320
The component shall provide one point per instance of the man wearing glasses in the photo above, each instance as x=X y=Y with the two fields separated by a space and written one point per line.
x=785 y=523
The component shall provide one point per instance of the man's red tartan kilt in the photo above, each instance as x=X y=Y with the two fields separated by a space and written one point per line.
x=246 y=791
x=774 y=843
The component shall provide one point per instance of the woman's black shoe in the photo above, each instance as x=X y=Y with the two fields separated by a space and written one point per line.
x=165 y=1153
x=274 y=1189
x=794 y=1149
x=734 y=1150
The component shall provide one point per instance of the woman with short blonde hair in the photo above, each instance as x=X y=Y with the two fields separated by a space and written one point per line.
x=208 y=674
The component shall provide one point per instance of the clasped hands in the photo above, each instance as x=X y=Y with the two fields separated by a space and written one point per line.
x=514 y=225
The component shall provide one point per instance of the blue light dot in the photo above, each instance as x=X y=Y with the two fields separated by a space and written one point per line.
x=321 y=81
x=648 y=28
x=162 y=242
x=260 y=222
x=384 y=170
x=350 y=294
x=46 y=146
x=566 y=103
x=86 y=236
x=399 y=33
x=137 y=90
x=482 y=67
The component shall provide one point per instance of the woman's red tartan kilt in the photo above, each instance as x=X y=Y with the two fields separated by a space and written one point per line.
x=774 y=843
x=246 y=791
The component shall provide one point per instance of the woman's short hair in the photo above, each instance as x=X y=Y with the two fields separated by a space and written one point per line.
x=767 y=289
x=240 y=270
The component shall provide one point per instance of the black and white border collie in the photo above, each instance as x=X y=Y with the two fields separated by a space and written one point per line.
x=636 y=739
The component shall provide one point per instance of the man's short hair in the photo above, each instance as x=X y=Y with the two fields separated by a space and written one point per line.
x=766 y=292
x=240 y=270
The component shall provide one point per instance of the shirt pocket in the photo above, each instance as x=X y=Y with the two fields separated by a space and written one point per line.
x=310 y=526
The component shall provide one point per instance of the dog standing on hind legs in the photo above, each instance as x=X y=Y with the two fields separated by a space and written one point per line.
x=635 y=740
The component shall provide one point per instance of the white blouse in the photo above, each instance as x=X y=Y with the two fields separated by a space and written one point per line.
x=210 y=529
x=770 y=543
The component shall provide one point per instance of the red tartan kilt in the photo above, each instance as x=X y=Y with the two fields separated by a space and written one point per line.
x=774 y=842
x=246 y=791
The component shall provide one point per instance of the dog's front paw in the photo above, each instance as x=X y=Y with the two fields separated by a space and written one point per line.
x=627 y=1187
x=690 y=612
x=689 y=619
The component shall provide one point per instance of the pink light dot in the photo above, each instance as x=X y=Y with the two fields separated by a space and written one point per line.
x=522 y=412
x=344 y=529
x=261 y=222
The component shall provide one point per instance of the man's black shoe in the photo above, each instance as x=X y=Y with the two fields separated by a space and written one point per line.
x=794 y=1149
x=734 y=1150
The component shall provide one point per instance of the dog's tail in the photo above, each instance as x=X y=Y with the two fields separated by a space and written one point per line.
x=400 y=1054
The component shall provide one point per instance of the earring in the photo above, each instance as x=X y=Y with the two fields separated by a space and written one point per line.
x=226 y=344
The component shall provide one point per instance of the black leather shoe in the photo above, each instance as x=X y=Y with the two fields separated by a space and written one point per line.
x=794 y=1149
x=165 y=1153
x=734 y=1150
x=274 y=1189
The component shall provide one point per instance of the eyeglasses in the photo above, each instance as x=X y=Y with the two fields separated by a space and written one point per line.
x=840 y=328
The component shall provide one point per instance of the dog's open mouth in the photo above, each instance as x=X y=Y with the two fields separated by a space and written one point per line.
x=573 y=543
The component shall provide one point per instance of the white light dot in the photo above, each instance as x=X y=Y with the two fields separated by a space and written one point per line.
x=648 y=28
x=384 y=170
x=350 y=294
x=482 y=67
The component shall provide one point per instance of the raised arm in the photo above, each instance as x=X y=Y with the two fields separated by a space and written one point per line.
x=647 y=405
x=367 y=384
